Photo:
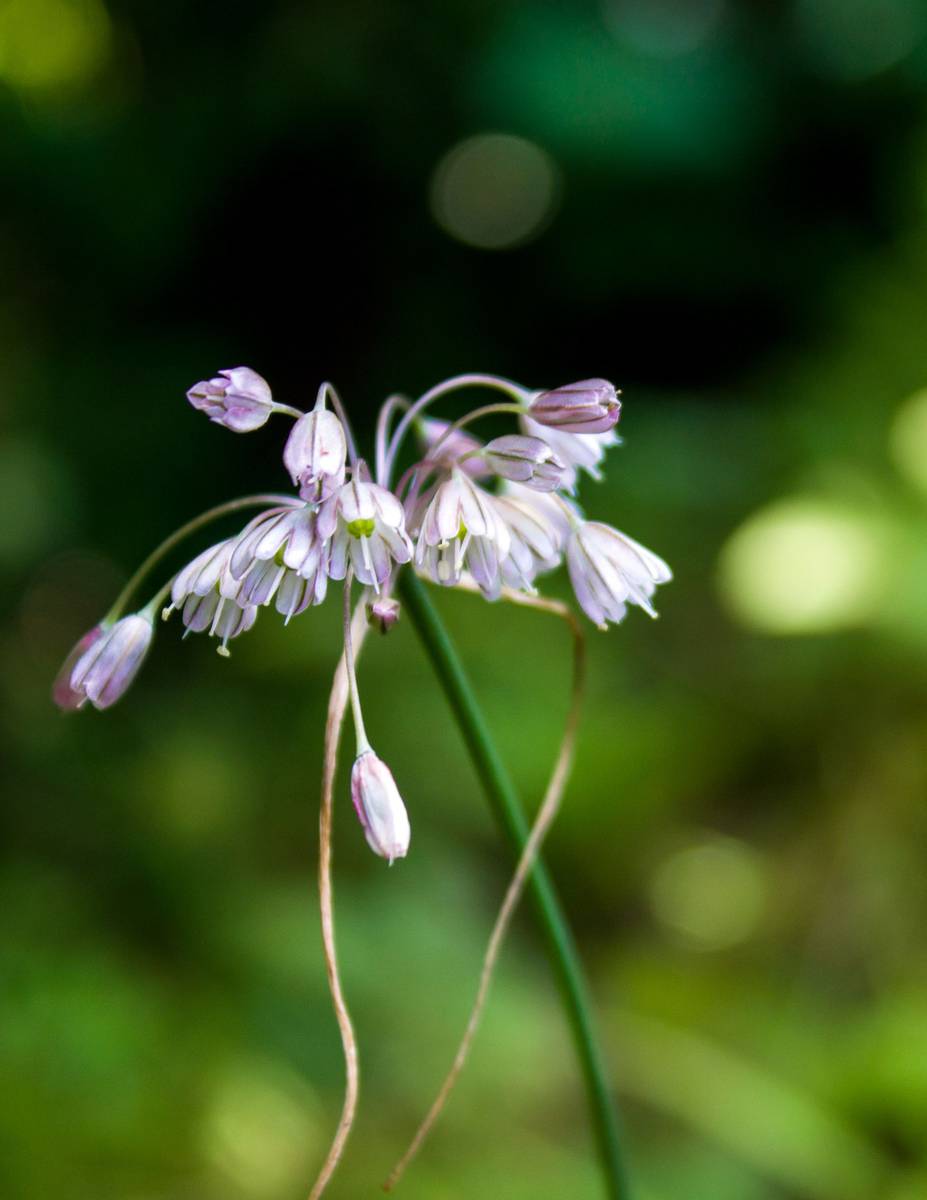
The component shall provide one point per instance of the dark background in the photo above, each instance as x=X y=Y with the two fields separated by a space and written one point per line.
x=736 y=234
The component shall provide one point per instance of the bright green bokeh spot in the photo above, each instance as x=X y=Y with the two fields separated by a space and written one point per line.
x=47 y=44
x=803 y=565
x=712 y=893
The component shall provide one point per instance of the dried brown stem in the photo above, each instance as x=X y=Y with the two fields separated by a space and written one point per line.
x=545 y=815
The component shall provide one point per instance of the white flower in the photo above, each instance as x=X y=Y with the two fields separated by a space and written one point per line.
x=538 y=526
x=281 y=553
x=609 y=571
x=208 y=597
x=463 y=530
x=367 y=527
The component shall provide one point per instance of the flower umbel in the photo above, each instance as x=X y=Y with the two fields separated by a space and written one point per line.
x=494 y=515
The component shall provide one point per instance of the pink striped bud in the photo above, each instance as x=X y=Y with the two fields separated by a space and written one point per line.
x=527 y=460
x=237 y=398
x=106 y=668
x=591 y=406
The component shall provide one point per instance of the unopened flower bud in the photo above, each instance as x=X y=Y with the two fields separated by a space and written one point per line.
x=238 y=398
x=110 y=663
x=315 y=454
x=63 y=694
x=383 y=613
x=379 y=807
x=527 y=460
x=591 y=406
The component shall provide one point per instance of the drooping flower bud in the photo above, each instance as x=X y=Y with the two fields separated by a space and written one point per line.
x=110 y=663
x=63 y=694
x=527 y=460
x=383 y=613
x=237 y=398
x=379 y=806
x=315 y=453
x=590 y=406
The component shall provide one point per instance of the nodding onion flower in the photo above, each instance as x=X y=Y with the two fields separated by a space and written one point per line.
x=498 y=514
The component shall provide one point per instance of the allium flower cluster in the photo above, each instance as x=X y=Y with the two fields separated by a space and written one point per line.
x=494 y=515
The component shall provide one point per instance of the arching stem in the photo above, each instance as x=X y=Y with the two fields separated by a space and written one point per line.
x=179 y=535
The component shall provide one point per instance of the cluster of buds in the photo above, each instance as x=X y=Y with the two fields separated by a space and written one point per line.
x=494 y=515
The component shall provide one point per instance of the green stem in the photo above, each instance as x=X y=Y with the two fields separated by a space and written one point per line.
x=507 y=809
x=160 y=552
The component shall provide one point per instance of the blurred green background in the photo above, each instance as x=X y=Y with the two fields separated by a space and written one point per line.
x=721 y=206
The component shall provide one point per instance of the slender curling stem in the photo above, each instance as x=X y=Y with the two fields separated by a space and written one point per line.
x=211 y=514
x=413 y=474
x=441 y=389
x=337 y=706
x=328 y=389
x=507 y=809
x=382 y=436
x=486 y=411
x=545 y=816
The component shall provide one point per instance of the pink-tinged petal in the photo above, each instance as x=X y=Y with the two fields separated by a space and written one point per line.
x=109 y=665
x=64 y=695
x=315 y=454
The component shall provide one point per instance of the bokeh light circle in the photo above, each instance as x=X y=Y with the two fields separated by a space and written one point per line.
x=803 y=565
x=495 y=191
x=712 y=893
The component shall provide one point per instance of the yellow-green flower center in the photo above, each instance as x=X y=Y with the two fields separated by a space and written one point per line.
x=362 y=527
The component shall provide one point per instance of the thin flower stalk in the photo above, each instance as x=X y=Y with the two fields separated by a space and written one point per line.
x=334 y=721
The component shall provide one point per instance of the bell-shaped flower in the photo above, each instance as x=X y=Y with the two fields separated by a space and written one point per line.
x=590 y=406
x=367 y=527
x=462 y=530
x=280 y=554
x=379 y=807
x=111 y=661
x=538 y=526
x=446 y=452
x=63 y=694
x=527 y=460
x=315 y=453
x=609 y=571
x=208 y=597
x=237 y=398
